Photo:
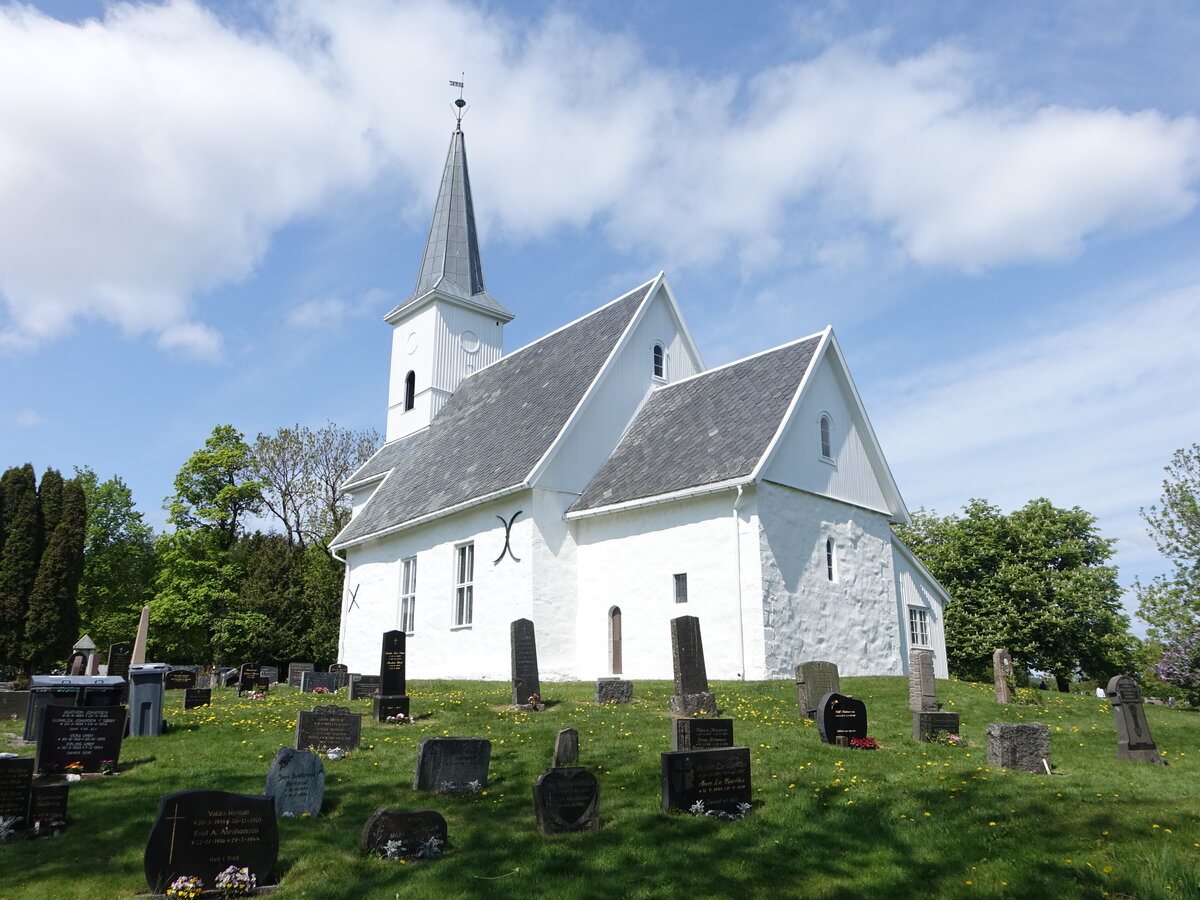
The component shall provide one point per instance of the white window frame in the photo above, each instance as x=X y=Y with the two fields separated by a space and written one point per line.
x=825 y=436
x=681 y=590
x=918 y=626
x=464 y=584
x=407 y=608
x=658 y=347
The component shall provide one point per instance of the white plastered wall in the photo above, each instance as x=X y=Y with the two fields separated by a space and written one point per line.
x=554 y=587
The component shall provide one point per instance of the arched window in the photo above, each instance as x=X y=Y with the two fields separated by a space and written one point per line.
x=826 y=436
x=830 y=562
x=660 y=361
x=410 y=391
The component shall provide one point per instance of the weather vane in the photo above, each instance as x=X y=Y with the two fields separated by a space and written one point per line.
x=460 y=102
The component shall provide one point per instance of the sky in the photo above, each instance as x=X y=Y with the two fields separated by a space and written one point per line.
x=207 y=207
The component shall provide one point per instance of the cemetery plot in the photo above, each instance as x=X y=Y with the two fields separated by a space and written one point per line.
x=566 y=800
x=325 y=727
x=452 y=765
x=719 y=780
x=89 y=735
x=404 y=834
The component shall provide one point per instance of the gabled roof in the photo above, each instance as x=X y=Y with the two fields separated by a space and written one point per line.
x=709 y=429
x=492 y=433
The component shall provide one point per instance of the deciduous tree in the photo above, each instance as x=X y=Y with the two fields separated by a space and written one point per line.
x=1170 y=604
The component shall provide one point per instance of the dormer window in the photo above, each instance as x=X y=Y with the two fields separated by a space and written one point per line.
x=826 y=437
x=410 y=391
x=660 y=361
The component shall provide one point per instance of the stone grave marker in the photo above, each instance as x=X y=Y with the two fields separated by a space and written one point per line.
x=363 y=687
x=295 y=670
x=526 y=680
x=138 y=654
x=179 y=680
x=16 y=784
x=325 y=727
x=392 y=699
x=13 y=704
x=195 y=697
x=566 y=747
x=296 y=781
x=202 y=833
x=613 y=690
x=403 y=833
x=248 y=677
x=48 y=806
x=119 y=657
x=922 y=690
x=261 y=684
x=452 y=765
x=814 y=680
x=1002 y=674
x=270 y=674
x=85 y=734
x=1012 y=745
x=691 y=678
x=565 y=800
x=927 y=724
x=39 y=699
x=840 y=716
x=1133 y=731
x=720 y=778
x=702 y=734
x=77 y=663
x=331 y=681
x=340 y=668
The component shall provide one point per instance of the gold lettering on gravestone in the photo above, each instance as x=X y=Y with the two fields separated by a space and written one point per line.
x=393 y=660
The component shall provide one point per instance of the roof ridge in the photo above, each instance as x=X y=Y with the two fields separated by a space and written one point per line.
x=737 y=362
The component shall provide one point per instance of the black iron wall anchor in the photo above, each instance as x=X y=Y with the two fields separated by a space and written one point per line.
x=353 y=598
x=507 y=536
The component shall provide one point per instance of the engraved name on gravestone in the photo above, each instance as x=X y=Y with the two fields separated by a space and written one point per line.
x=526 y=680
x=202 y=833
x=339 y=667
x=841 y=716
x=566 y=800
x=80 y=734
x=691 y=678
x=702 y=734
x=720 y=778
x=179 y=680
x=16 y=784
x=296 y=780
x=48 y=805
x=1133 y=731
x=814 y=680
x=330 y=681
x=194 y=697
x=1002 y=674
x=566 y=747
x=403 y=833
x=119 y=657
x=922 y=690
x=324 y=727
x=1012 y=745
x=613 y=690
x=248 y=677
x=363 y=687
x=452 y=764
x=295 y=670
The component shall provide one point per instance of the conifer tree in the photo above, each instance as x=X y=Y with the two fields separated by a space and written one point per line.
x=18 y=559
x=52 y=618
x=50 y=500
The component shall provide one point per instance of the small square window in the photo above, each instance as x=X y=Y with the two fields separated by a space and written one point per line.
x=681 y=588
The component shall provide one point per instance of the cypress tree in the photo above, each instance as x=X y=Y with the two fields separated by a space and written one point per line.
x=18 y=560
x=50 y=499
x=52 y=620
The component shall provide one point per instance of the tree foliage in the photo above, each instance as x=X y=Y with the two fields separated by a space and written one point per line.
x=1170 y=604
x=21 y=531
x=216 y=489
x=1035 y=581
x=52 y=618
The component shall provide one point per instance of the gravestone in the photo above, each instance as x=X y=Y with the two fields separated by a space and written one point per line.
x=691 y=695
x=363 y=687
x=526 y=680
x=392 y=699
x=77 y=663
x=195 y=697
x=41 y=697
x=452 y=765
x=295 y=670
x=720 y=778
x=927 y=724
x=48 y=806
x=566 y=800
x=566 y=747
x=1133 y=731
x=922 y=691
x=179 y=680
x=269 y=674
x=331 y=681
x=248 y=677
x=1012 y=745
x=339 y=667
x=89 y=735
x=613 y=690
x=16 y=784
x=840 y=716
x=406 y=831
x=119 y=657
x=138 y=654
x=202 y=833
x=325 y=727
x=814 y=680
x=1002 y=674
x=296 y=780
x=261 y=684
x=13 y=704
x=702 y=734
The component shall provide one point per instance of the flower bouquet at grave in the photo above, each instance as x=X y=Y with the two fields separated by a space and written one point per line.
x=109 y=767
x=74 y=768
x=186 y=887
x=947 y=739
x=235 y=882
x=863 y=743
x=321 y=690
x=535 y=702
x=399 y=719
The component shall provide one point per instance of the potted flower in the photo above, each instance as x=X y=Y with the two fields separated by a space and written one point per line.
x=235 y=882
x=186 y=887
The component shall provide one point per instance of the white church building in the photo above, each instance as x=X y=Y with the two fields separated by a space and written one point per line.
x=602 y=481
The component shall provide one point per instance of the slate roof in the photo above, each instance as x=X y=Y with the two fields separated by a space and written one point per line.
x=704 y=430
x=497 y=426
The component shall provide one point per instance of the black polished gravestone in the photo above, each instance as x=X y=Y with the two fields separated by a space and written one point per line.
x=392 y=701
x=48 y=806
x=566 y=799
x=296 y=781
x=295 y=670
x=1133 y=731
x=702 y=734
x=179 y=680
x=719 y=778
x=364 y=687
x=839 y=716
x=404 y=833
x=452 y=765
x=119 y=658
x=39 y=699
x=16 y=784
x=89 y=735
x=325 y=727
x=339 y=667
x=194 y=697
x=691 y=695
x=526 y=680
x=202 y=833
x=248 y=677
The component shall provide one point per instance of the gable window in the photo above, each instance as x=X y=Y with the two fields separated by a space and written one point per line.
x=826 y=436
x=660 y=361
x=918 y=627
x=681 y=588
x=410 y=391
x=464 y=583
x=408 y=594
x=830 y=561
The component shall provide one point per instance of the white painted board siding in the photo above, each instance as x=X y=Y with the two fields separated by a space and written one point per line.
x=915 y=589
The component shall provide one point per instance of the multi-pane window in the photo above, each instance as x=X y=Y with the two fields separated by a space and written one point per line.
x=918 y=627
x=464 y=583
x=830 y=560
x=681 y=588
x=408 y=594
x=826 y=437
x=660 y=361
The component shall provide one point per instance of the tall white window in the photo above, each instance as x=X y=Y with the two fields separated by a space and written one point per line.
x=826 y=436
x=918 y=627
x=830 y=560
x=464 y=584
x=408 y=594
x=681 y=588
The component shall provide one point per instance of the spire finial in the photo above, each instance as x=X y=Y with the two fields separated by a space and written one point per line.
x=460 y=103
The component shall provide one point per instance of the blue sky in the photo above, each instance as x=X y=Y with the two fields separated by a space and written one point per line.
x=205 y=210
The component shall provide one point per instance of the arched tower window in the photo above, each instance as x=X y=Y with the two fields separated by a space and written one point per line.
x=826 y=436
x=830 y=562
x=410 y=391
x=660 y=361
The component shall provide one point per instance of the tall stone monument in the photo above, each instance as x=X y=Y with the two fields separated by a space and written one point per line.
x=922 y=691
x=525 y=678
x=139 y=642
x=814 y=680
x=1133 y=731
x=691 y=695
x=1002 y=672
x=392 y=699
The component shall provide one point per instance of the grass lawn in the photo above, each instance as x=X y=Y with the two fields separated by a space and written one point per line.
x=908 y=819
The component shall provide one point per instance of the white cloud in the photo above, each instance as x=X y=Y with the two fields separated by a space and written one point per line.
x=316 y=313
x=194 y=340
x=29 y=418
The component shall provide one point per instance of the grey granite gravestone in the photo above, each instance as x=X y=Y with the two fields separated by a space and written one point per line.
x=48 y=807
x=701 y=734
x=195 y=697
x=814 y=680
x=89 y=735
x=364 y=687
x=566 y=800
x=1002 y=674
x=720 y=778
x=691 y=695
x=566 y=747
x=202 y=833
x=330 y=681
x=16 y=785
x=613 y=690
x=270 y=674
x=452 y=765
x=927 y=724
x=13 y=704
x=1133 y=731
x=840 y=716
x=295 y=670
x=404 y=833
x=922 y=690
x=296 y=781
x=119 y=657
x=1012 y=745
x=392 y=699
x=325 y=727
x=525 y=677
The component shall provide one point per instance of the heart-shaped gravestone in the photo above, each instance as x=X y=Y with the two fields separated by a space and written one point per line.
x=567 y=799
